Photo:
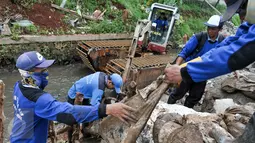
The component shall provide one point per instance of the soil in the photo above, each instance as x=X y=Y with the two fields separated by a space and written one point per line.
x=44 y=16
x=41 y=14
x=118 y=5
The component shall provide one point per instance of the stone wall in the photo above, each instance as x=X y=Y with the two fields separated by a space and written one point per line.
x=62 y=52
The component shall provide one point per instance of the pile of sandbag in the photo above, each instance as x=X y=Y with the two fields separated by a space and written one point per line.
x=245 y=83
x=179 y=124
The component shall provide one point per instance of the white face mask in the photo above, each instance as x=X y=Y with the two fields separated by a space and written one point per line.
x=250 y=12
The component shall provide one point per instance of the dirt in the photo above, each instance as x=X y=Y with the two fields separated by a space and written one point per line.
x=44 y=16
x=41 y=14
x=118 y=5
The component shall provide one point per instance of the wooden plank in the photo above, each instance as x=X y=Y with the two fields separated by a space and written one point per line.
x=64 y=9
x=118 y=64
x=26 y=39
x=2 y=118
x=112 y=69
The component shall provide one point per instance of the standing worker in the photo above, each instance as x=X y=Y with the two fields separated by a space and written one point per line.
x=234 y=53
x=35 y=107
x=197 y=45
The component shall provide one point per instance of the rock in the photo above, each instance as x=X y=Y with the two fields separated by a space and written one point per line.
x=166 y=130
x=162 y=120
x=220 y=135
x=237 y=117
x=220 y=105
x=216 y=92
x=205 y=124
x=245 y=83
x=236 y=129
x=187 y=134
x=248 y=135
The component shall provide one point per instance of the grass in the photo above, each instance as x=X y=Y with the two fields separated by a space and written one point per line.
x=192 y=17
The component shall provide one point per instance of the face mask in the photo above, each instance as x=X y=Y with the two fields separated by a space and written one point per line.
x=41 y=79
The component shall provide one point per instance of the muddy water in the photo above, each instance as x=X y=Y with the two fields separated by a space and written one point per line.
x=61 y=79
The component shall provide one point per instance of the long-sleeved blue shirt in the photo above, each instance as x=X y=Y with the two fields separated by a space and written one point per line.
x=33 y=108
x=235 y=52
x=91 y=86
x=188 y=53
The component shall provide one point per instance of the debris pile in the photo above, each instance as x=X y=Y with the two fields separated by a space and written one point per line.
x=171 y=123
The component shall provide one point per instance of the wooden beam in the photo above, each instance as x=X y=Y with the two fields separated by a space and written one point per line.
x=64 y=9
x=26 y=39
x=75 y=13
x=2 y=88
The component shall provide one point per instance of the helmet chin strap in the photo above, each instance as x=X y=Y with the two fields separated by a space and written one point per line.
x=250 y=12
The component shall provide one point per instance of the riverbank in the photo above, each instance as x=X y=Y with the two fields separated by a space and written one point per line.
x=61 y=48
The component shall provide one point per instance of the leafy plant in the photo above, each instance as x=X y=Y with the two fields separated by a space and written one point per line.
x=16 y=31
x=236 y=20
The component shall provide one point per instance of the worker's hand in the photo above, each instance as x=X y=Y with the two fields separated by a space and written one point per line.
x=173 y=74
x=121 y=111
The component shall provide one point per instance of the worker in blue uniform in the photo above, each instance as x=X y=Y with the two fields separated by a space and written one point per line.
x=234 y=53
x=161 y=26
x=33 y=107
x=197 y=45
x=89 y=90
x=92 y=87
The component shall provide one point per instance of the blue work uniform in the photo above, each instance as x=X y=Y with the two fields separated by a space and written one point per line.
x=234 y=53
x=33 y=108
x=196 y=90
x=161 y=24
x=91 y=86
x=188 y=53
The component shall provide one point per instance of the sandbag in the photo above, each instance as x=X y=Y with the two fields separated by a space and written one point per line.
x=162 y=120
x=189 y=133
x=244 y=83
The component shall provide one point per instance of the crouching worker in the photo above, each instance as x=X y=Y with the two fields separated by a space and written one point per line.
x=89 y=90
x=33 y=107
x=198 y=45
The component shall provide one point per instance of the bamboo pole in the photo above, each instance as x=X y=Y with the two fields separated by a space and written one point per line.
x=213 y=7
x=2 y=89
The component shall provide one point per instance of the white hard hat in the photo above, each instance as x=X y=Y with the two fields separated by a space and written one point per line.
x=214 y=21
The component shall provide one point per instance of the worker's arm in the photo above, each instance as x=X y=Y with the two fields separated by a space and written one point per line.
x=179 y=60
x=188 y=48
x=237 y=54
x=49 y=108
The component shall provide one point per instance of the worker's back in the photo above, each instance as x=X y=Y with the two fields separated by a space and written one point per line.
x=27 y=126
x=87 y=85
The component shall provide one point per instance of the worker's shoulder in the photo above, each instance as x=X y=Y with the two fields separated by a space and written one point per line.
x=200 y=35
x=31 y=93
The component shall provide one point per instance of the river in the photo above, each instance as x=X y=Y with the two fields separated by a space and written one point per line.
x=61 y=79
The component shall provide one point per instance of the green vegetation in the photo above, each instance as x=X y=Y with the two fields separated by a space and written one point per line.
x=236 y=20
x=193 y=15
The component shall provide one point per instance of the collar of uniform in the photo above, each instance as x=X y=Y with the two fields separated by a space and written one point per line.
x=105 y=79
x=209 y=39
